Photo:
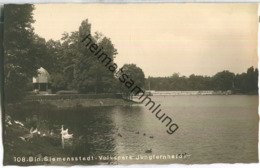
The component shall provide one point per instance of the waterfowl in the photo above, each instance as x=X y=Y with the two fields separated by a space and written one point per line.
x=27 y=137
x=144 y=134
x=19 y=123
x=148 y=151
x=64 y=131
x=137 y=132
x=35 y=131
x=9 y=122
x=51 y=133
x=150 y=136
x=119 y=134
x=67 y=136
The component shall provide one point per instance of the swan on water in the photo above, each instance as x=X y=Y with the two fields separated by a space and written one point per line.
x=64 y=131
x=34 y=131
x=19 y=123
x=65 y=134
x=51 y=133
x=9 y=122
x=27 y=137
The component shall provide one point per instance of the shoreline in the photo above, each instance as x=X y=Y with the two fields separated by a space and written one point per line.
x=38 y=145
x=77 y=102
x=70 y=103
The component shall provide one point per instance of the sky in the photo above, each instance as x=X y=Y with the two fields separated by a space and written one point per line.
x=163 y=39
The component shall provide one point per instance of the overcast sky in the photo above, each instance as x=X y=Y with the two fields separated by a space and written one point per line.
x=163 y=39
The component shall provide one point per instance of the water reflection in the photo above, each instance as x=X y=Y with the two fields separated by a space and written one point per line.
x=93 y=129
x=210 y=126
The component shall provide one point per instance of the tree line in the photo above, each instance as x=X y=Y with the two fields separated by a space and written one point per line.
x=73 y=67
x=225 y=80
x=70 y=64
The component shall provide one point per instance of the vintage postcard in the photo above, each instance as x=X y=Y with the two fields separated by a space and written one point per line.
x=123 y=84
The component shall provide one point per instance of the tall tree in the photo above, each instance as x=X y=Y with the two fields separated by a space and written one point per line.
x=82 y=70
x=223 y=80
x=20 y=52
x=247 y=82
x=134 y=73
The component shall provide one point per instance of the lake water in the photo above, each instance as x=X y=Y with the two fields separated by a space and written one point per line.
x=212 y=129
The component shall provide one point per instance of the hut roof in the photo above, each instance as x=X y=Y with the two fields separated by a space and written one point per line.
x=42 y=77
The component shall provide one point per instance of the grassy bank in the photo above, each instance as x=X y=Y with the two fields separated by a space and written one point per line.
x=68 y=103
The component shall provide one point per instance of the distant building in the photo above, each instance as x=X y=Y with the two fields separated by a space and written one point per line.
x=42 y=82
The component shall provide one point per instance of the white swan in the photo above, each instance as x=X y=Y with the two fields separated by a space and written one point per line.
x=31 y=130
x=27 y=137
x=51 y=133
x=19 y=123
x=9 y=122
x=64 y=132
x=67 y=136
x=34 y=131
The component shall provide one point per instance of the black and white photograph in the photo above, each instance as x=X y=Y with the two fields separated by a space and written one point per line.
x=124 y=84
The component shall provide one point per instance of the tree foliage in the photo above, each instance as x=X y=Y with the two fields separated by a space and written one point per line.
x=225 y=80
x=80 y=68
x=74 y=67
x=133 y=73
x=22 y=50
